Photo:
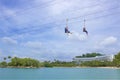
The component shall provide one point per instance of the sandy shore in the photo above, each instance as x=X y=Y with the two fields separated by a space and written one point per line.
x=110 y=67
x=100 y=67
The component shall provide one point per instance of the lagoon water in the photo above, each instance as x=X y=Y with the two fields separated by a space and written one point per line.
x=59 y=74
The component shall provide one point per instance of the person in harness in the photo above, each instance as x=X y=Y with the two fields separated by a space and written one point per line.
x=66 y=28
x=84 y=29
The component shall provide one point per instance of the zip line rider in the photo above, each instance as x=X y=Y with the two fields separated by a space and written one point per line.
x=66 y=28
x=84 y=29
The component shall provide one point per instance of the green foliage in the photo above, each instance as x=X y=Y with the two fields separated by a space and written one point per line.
x=4 y=58
x=28 y=62
x=9 y=57
x=58 y=63
x=3 y=64
x=47 y=64
x=24 y=62
x=97 y=63
x=89 y=55
x=116 y=60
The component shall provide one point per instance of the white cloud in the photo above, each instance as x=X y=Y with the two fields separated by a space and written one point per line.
x=34 y=45
x=60 y=6
x=107 y=45
x=8 y=12
x=77 y=36
x=108 y=41
x=54 y=43
x=9 y=40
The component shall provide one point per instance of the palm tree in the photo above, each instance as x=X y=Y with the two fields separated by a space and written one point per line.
x=5 y=58
x=9 y=57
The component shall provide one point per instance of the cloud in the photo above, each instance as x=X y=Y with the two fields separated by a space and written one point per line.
x=60 y=6
x=108 y=41
x=34 y=45
x=77 y=36
x=13 y=4
x=107 y=45
x=9 y=40
x=24 y=23
x=7 y=12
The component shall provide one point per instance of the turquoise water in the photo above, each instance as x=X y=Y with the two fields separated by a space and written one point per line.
x=59 y=74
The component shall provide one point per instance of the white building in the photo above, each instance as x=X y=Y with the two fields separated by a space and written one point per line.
x=98 y=58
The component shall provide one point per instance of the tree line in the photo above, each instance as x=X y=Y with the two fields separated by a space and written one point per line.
x=20 y=62
x=95 y=63
x=33 y=63
x=94 y=54
x=16 y=62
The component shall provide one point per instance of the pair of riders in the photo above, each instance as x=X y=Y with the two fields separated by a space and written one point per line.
x=68 y=32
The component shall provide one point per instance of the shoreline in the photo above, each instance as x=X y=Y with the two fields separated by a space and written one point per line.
x=100 y=67
x=89 y=67
x=62 y=67
x=110 y=67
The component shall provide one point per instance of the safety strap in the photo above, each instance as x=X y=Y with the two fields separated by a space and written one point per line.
x=84 y=22
x=66 y=22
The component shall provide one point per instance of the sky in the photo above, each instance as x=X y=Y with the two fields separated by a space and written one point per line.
x=35 y=28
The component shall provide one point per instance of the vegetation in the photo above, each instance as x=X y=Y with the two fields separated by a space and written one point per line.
x=116 y=60
x=24 y=62
x=32 y=63
x=58 y=63
x=97 y=64
x=9 y=57
x=5 y=58
x=20 y=62
x=114 y=63
x=89 y=55
x=3 y=64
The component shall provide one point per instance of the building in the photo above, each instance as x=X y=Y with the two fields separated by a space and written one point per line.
x=98 y=58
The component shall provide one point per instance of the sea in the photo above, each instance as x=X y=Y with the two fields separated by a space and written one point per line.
x=59 y=74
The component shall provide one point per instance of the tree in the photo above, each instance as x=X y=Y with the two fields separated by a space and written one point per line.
x=4 y=58
x=9 y=57
x=116 y=60
x=47 y=64
x=89 y=55
x=24 y=62
x=3 y=64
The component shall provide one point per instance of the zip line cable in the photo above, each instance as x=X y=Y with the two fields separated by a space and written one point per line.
x=77 y=17
x=98 y=12
x=95 y=18
x=73 y=22
x=49 y=27
x=42 y=6
x=95 y=12
x=72 y=18
x=90 y=6
x=8 y=18
x=37 y=20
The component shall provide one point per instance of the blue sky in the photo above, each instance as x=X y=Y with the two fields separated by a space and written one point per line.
x=35 y=28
